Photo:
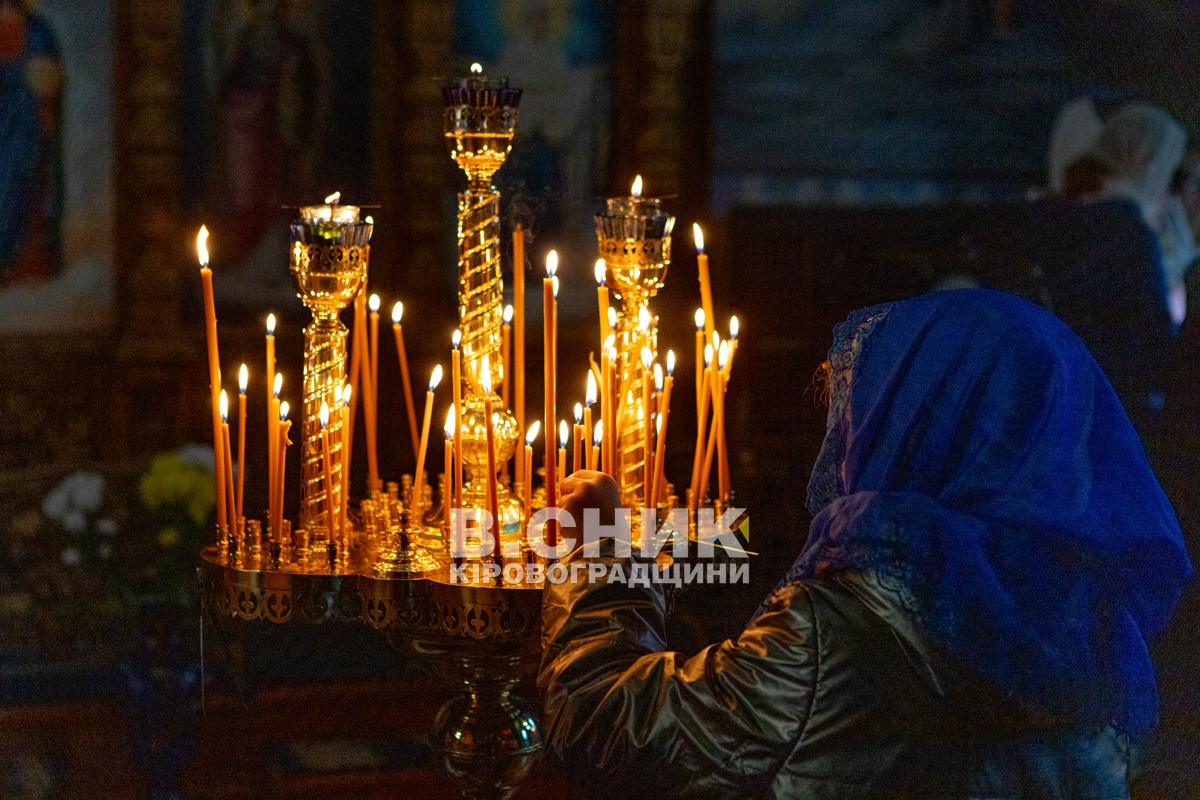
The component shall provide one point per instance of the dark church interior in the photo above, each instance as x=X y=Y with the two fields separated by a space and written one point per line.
x=837 y=155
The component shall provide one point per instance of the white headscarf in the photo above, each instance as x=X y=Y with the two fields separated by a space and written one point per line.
x=1075 y=128
x=1140 y=148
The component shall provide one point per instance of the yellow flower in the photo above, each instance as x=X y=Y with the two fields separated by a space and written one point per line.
x=168 y=537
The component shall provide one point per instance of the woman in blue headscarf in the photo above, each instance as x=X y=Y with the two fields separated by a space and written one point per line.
x=969 y=618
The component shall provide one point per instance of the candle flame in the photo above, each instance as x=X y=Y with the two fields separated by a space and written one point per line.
x=373 y=303
x=579 y=413
x=554 y=285
x=670 y=362
x=658 y=378
x=698 y=235
x=708 y=353
x=277 y=386
x=334 y=198
x=243 y=379
x=658 y=418
x=477 y=68
x=612 y=355
x=223 y=406
x=589 y=397
x=508 y=314
x=270 y=324
x=324 y=415
x=435 y=378
x=699 y=319
x=610 y=342
x=612 y=317
x=202 y=245
x=551 y=263
x=370 y=220
x=636 y=189
x=643 y=319
x=647 y=357
x=669 y=227
x=598 y=433
x=347 y=393
x=601 y=272
x=456 y=338
x=284 y=408
x=448 y=428
x=397 y=313
x=734 y=327
x=564 y=433
x=487 y=375
x=534 y=429
x=716 y=340
x=722 y=355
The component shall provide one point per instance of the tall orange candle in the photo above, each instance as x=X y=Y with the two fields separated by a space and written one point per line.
x=357 y=347
x=398 y=331
x=589 y=400
x=214 y=372
x=611 y=434
x=699 y=360
x=734 y=330
x=276 y=388
x=550 y=342
x=720 y=383
x=564 y=436
x=231 y=509
x=701 y=420
x=327 y=474
x=602 y=297
x=705 y=285
x=243 y=382
x=371 y=398
x=456 y=376
x=506 y=354
x=344 y=476
x=529 y=439
x=272 y=419
x=647 y=429
x=597 y=441
x=448 y=465
x=664 y=416
x=284 y=428
x=577 y=440
x=519 y=332
x=419 y=480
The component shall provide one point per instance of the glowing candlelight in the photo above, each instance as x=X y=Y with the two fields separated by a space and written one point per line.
x=231 y=509
x=701 y=419
x=327 y=477
x=519 y=331
x=734 y=329
x=528 y=486
x=283 y=429
x=398 y=331
x=214 y=372
x=602 y=296
x=344 y=478
x=647 y=429
x=272 y=418
x=456 y=377
x=635 y=191
x=577 y=441
x=490 y=428
x=434 y=380
x=705 y=285
x=371 y=398
x=359 y=380
x=720 y=382
x=564 y=436
x=597 y=440
x=243 y=383
x=609 y=408
x=550 y=342
x=448 y=464
x=664 y=412
x=699 y=358
x=506 y=353
x=589 y=400
x=612 y=320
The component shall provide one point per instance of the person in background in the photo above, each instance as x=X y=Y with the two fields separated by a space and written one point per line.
x=989 y=555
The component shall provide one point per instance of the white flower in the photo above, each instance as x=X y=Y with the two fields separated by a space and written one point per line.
x=80 y=492
x=71 y=556
x=198 y=454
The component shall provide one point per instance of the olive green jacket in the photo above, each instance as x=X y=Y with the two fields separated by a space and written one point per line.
x=833 y=692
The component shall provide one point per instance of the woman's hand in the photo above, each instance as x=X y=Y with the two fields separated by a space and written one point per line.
x=589 y=489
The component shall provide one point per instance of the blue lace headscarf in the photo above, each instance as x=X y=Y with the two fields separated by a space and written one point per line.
x=979 y=462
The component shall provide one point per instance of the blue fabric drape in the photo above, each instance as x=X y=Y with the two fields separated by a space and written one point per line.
x=982 y=465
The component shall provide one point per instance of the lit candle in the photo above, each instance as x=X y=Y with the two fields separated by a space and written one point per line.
x=272 y=417
x=589 y=399
x=577 y=442
x=701 y=419
x=734 y=329
x=519 y=332
x=647 y=428
x=456 y=377
x=705 y=286
x=330 y=515
x=398 y=330
x=550 y=313
x=699 y=359
x=506 y=354
x=664 y=412
x=720 y=382
x=344 y=506
x=359 y=383
x=371 y=398
x=609 y=409
x=276 y=388
x=597 y=440
x=419 y=480
x=490 y=430
x=231 y=510
x=283 y=428
x=602 y=296
x=243 y=382
x=564 y=436
x=529 y=439
x=448 y=464
x=333 y=212
x=214 y=372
